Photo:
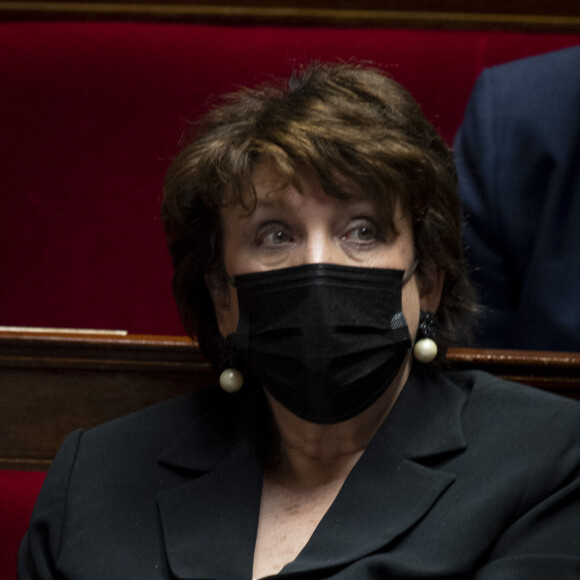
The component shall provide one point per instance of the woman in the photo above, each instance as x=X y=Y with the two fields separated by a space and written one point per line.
x=315 y=235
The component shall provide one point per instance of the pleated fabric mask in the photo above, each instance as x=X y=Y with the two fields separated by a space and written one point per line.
x=325 y=341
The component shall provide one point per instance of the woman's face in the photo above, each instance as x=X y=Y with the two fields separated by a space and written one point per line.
x=291 y=228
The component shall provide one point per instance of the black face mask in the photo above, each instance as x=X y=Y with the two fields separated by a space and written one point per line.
x=325 y=341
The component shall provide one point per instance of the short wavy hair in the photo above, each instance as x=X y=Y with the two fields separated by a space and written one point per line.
x=356 y=129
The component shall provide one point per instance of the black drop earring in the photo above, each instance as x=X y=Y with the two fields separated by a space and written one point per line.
x=425 y=349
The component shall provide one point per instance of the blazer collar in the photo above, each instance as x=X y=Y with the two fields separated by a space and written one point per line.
x=387 y=492
x=426 y=420
x=201 y=446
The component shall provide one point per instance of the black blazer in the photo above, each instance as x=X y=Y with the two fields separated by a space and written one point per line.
x=469 y=477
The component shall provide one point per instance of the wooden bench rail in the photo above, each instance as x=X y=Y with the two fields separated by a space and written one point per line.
x=546 y=15
x=52 y=383
x=558 y=372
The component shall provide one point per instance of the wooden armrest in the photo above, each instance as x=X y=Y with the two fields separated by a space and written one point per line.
x=558 y=372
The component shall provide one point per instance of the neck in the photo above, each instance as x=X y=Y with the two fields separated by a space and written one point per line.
x=311 y=452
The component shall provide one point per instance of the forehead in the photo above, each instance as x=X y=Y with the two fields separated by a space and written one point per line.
x=302 y=193
x=271 y=186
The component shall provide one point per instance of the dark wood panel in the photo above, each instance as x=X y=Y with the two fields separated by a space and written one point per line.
x=557 y=15
x=51 y=384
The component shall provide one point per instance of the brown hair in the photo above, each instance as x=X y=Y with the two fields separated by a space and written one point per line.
x=349 y=124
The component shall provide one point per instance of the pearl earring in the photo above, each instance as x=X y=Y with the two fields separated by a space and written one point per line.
x=231 y=380
x=425 y=349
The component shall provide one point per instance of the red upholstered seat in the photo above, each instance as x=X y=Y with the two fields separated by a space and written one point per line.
x=18 y=491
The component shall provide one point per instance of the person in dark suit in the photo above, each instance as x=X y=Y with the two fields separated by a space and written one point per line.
x=518 y=160
x=315 y=235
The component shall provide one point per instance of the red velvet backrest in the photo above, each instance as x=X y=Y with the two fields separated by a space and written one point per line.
x=91 y=114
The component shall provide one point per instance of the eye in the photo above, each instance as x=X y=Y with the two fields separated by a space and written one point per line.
x=272 y=234
x=362 y=232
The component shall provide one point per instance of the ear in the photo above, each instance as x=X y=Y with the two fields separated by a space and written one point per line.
x=225 y=302
x=431 y=281
x=217 y=286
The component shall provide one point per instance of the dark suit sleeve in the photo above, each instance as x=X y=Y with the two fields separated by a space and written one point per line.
x=479 y=167
x=40 y=547
x=518 y=162
x=543 y=540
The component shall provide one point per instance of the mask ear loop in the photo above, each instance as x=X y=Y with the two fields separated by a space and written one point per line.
x=410 y=272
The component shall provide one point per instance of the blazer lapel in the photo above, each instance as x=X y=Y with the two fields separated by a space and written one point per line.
x=366 y=516
x=426 y=421
x=390 y=489
x=210 y=522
